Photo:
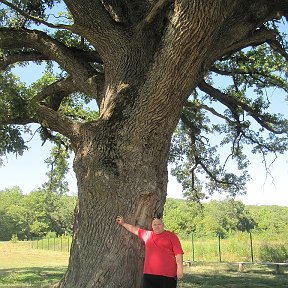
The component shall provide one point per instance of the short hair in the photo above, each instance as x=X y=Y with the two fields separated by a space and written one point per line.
x=157 y=216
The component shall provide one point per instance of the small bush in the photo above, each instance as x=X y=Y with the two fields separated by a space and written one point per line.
x=273 y=253
x=51 y=234
x=14 y=238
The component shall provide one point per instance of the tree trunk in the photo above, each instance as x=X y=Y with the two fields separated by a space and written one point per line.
x=121 y=162
x=124 y=177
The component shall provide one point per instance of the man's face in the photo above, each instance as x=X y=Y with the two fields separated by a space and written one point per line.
x=157 y=226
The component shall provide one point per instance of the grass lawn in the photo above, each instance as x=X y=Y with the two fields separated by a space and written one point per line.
x=225 y=275
x=21 y=266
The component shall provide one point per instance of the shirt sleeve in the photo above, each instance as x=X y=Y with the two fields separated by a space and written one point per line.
x=144 y=234
x=177 y=248
x=141 y=232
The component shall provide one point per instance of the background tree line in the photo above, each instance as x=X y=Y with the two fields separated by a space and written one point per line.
x=42 y=211
x=223 y=218
x=35 y=214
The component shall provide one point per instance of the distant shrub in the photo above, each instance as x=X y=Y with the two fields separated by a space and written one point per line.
x=14 y=238
x=273 y=253
x=51 y=234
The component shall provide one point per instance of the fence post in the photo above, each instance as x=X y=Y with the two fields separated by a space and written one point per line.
x=251 y=248
x=219 y=247
x=193 y=251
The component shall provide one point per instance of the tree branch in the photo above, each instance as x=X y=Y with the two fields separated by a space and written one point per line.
x=214 y=112
x=81 y=70
x=259 y=37
x=277 y=47
x=25 y=56
x=198 y=160
x=5 y=61
x=101 y=18
x=56 y=92
x=232 y=103
x=95 y=23
x=36 y=19
x=17 y=120
x=53 y=94
x=57 y=122
x=155 y=11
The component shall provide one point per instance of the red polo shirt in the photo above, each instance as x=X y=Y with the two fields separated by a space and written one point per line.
x=160 y=252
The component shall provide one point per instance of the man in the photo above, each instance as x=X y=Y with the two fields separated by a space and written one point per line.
x=163 y=263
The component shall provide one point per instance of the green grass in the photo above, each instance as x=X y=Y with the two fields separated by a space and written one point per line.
x=225 y=275
x=21 y=267
x=35 y=277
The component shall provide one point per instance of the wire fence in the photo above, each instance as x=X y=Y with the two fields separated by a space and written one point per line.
x=236 y=248
x=61 y=243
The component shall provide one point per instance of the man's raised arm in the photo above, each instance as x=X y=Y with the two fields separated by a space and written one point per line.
x=128 y=227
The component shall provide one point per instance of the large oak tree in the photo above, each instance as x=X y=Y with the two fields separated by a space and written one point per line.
x=143 y=63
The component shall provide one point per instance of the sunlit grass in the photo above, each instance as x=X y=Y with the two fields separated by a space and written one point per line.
x=226 y=275
x=20 y=254
x=21 y=266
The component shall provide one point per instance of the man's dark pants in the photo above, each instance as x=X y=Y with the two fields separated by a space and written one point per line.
x=157 y=281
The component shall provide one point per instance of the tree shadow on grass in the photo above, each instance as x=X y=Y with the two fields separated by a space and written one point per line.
x=35 y=277
x=232 y=279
